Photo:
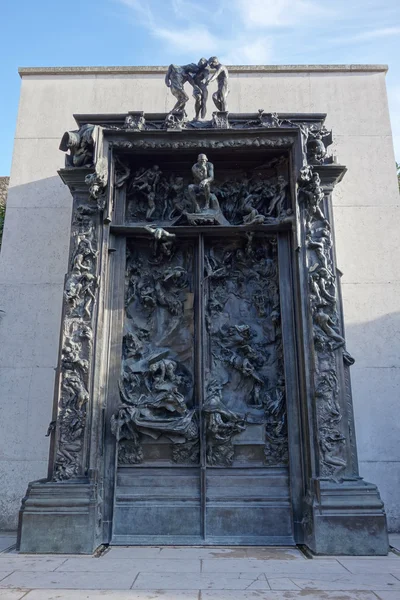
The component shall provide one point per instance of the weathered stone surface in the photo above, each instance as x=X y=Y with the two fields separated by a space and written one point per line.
x=35 y=183
x=14 y=474
x=287 y=595
x=386 y=474
x=359 y=188
x=340 y=97
x=358 y=566
x=80 y=581
x=370 y=418
x=47 y=578
x=136 y=564
x=110 y=595
x=274 y=567
x=12 y=594
x=30 y=337
x=367 y=251
x=350 y=582
x=35 y=246
x=372 y=314
x=15 y=562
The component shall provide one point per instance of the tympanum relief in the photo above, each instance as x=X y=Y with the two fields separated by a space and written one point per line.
x=257 y=197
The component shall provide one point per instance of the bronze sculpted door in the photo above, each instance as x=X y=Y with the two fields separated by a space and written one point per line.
x=201 y=430
x=203 y=390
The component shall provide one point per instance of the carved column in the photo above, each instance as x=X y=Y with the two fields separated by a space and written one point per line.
x=62 y=513
x=80 y=309
x=344 y=514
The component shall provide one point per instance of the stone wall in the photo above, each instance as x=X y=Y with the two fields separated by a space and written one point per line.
x=36 y=238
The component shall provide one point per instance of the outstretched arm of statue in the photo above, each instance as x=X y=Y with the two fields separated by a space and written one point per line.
x=213 y=76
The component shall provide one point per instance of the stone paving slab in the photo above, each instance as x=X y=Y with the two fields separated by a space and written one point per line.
x=111 y=595
x=219 y=581
x=132 y=565
x=350 y=582
x=273 y=567
x=198 y=573
x=388 y=595
x=275 y=583
x=12 y=594
x=132 y=552
x=188 y=595
x=61 y=580
x=192 y=581
x=299 y=595
x=12 y=562
x=359 y=566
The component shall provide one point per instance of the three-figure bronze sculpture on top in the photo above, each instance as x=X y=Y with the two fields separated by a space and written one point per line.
x=199 y=77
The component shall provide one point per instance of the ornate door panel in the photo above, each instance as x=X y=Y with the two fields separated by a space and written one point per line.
x=202 y=434
x=244 y=411
x=158 y=489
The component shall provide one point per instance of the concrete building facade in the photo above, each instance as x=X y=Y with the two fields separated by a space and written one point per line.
x=34 y=255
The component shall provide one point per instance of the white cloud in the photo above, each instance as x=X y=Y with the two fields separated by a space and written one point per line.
x=141 y=9
x=355 y=38
x=189 y=10
x=233 y=45
x=248 y=51
x=194 y=39
x=279 y=13
x=260 y=31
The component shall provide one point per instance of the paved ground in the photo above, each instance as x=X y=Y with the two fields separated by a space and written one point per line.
x=170 y=573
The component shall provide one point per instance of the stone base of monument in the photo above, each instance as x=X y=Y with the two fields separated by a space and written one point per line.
x=59 y=518
x=348 y=519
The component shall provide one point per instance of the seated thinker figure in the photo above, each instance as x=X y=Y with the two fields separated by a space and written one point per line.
x=203 y=175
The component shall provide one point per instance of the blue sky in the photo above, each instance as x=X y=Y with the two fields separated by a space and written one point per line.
x=153 y=32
